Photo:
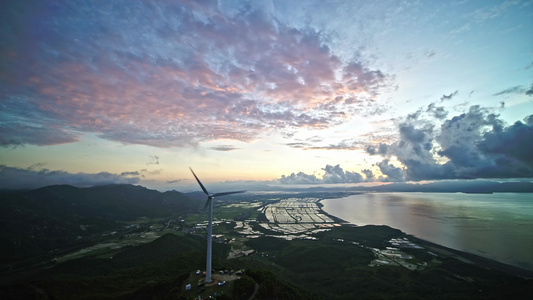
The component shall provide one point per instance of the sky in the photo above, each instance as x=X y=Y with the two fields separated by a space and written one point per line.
x=264 y=92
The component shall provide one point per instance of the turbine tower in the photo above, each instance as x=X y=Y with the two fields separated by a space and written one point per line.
x=209 y=203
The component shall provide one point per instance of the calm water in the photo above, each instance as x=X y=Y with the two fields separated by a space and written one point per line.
x=497 y=226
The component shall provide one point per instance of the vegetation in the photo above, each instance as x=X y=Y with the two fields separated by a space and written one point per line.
x=63 y=218
x=300 y=269
x=271 y=287
x=371 y=235
x=333 y=265
x=243 y=288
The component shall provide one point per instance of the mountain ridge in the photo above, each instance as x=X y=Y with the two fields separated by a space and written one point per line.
x=55 y=217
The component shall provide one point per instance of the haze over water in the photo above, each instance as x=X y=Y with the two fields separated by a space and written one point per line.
x=497 y=226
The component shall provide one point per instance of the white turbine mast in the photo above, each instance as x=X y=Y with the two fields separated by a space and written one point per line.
x=209 y=203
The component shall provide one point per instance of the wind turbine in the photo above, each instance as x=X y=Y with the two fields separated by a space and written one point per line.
x=209 y=203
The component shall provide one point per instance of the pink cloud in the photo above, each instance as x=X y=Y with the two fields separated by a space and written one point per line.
x=194 y=75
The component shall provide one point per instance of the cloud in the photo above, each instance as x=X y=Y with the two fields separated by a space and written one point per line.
x=132 y=173
x=343 y=145
x=369 y=175
x=519 y=89
x=380 y=149
x=332 y=175
x=438 y=112
x=299 y=178
x=530 y=91
x=19 y=134
x=492 y=11
x=30 y=178
x=298 y=145
x=511 y=148
x=392 y=173
x=154 y=160
x=335 y=174
x=196 y=74
x=155 y=172
x=474 y=144
x=448 y=97
x=316 y=143
x=311 y=144
x=224 y=148
x=429 y=53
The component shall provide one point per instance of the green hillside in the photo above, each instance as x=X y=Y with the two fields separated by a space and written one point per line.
x=60 y=217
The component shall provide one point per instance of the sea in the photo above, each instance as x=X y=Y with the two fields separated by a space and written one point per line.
x=498 y=226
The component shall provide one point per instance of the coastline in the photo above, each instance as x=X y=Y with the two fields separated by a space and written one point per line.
x=467 y=257
x=334 y=218
x=463 y=256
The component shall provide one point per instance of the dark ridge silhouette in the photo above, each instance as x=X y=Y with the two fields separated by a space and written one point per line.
x=60 y=217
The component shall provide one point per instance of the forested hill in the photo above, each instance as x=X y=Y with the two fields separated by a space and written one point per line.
x=62 y=216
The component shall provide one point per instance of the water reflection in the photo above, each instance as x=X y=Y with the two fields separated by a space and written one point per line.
x=497 y=226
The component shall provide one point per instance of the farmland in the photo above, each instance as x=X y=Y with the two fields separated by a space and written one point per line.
x=296 y=217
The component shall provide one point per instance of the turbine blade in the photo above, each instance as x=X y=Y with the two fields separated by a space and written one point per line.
x=201 y=185
x=227 y=193
x=203 y=211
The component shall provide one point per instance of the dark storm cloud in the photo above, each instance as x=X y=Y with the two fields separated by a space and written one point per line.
x=392 y=173
x=167 y=74
x=17 y=178
x=474 y=144
x=511 y=145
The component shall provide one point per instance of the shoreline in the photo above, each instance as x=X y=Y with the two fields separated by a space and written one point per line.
x=334 y=218
x=473 y=258
x=467 y=257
